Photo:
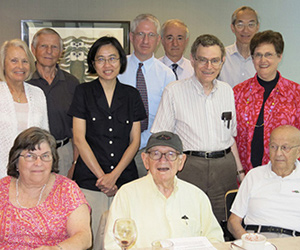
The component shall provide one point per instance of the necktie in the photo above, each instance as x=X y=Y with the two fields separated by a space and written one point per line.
x=142 y=88
x=174 y=67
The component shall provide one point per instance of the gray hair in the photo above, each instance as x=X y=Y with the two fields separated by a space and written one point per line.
x=207 y=41
x=46 y=31
x=3 y=53
x=145 y=17
x=174 y=21
x=234 y=15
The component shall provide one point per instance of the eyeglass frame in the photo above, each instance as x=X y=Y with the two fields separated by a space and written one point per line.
x=283 y=148
x=208 y=60
x=102 y=60
x=171 y=38
x=267 y=55
x=141 y=35
x=163 y=154
x=243 y=25
x=35 y=157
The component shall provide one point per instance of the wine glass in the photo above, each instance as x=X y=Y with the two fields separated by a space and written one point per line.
x=124 y=232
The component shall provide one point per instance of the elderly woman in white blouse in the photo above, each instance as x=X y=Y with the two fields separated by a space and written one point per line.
x=21 y=105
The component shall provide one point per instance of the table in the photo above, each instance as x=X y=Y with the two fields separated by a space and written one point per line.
x=291 y=243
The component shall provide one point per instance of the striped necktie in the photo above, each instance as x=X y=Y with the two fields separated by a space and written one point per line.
x=142 y=88
x=174 y=67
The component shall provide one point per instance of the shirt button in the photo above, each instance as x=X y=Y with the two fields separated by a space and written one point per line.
x=112 y=154
x=127 y=122
x=110 y=117
x=94 y=119
x=111 y=167
x=110 y=129
x=110 y=142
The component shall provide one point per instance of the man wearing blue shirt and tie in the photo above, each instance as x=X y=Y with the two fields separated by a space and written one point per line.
x=146 y=73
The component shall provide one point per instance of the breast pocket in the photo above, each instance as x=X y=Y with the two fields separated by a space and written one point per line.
x=96 y=124
x=124 y=123
x=226 y=125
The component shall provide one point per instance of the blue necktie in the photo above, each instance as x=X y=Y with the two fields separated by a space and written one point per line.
x=174 y=67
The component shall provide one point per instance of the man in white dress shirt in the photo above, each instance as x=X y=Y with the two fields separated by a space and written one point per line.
x=201 y=111
x=175 y=38
x=145 y=37
x=238 y=65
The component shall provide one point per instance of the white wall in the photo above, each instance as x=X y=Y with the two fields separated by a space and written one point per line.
x=201 y=16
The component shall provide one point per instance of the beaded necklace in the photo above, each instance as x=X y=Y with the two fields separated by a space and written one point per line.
x=17 y=194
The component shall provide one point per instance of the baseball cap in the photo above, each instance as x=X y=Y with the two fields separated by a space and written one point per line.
x=165 y=138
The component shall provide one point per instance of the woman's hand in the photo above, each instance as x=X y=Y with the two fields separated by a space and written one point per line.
x=107 y=181
x=111 y=192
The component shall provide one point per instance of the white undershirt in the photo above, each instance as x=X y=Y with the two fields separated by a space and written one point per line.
x=22 y=115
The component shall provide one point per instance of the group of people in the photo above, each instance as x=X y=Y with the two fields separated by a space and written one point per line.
x=207 y=120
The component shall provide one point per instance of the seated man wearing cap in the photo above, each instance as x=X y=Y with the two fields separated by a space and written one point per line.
x=269 y=197
x=162 y=205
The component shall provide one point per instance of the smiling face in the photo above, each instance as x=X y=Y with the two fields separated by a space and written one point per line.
x=47 y=51
x=174 y=41
x=163 y=170
x=16 y=65
x=107 y=71
x=144 y=47
x=244 y=35
x=266 y=67
x=283 y=163
x=37 y=171
x=207 y=73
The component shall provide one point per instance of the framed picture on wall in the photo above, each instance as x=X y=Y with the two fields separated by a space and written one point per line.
x=78 y=37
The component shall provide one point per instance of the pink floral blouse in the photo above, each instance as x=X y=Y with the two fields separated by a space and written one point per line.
x=46 y=224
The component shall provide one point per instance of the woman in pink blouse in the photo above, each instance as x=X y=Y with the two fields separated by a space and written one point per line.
x=265 y=101
x=40 y=209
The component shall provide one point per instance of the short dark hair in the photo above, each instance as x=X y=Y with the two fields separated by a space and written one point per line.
x=105 y=40
x=29 y=139
x=207 y=40
x=269 y=37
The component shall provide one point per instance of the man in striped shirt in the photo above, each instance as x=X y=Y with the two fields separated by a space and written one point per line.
x=201 y=111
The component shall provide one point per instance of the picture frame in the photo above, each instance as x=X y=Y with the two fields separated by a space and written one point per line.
x=78 y=37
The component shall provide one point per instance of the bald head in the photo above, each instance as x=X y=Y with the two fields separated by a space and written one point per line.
x=284 y=149
x=286 y=131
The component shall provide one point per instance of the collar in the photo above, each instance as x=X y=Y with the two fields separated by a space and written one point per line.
x=199 y=87
x=59 y=75
x=168 y=62
x=154 y=187
x=234 y=50
x=147 y=64
x=255 y=87
x=294 y=175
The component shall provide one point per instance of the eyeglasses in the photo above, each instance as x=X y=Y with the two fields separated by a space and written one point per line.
x=157 y=155
x=171 y=38
x=215 y=62
x=240 y=25
x=267 y=55
x=284 y=148
x=110 y=60
x=142 y=35
x=31 y=157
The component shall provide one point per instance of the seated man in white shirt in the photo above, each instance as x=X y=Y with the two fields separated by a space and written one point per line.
x=162 y=205
x=269 y=197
